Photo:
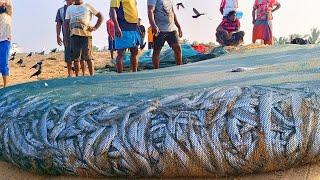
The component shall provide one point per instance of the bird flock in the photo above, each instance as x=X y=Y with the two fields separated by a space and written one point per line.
x=37 y=66
x=196 y=15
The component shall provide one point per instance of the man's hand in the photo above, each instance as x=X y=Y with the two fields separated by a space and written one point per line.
x=180 y=32
x=91 y=29
x=59 y=41
x=118 y=32
x=155 y=30
x=3 y=4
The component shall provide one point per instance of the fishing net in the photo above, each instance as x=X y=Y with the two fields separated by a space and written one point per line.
x=200 y=119
x=167 y=59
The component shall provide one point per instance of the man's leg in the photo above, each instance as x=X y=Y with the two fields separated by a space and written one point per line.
x=120 y=60
x=173 y=41
x=83 y=67
x=134 y=61
x=5 y=81
x=156 y=58
x=91 y=67
x=177 y=53
x=76 y=53
x=69 y=67
x=77 y=67
x=158 y=43
x=112 y=54
x=4 y=57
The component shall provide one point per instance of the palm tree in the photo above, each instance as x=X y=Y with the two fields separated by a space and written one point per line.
x=281 y=40
x=314 y=36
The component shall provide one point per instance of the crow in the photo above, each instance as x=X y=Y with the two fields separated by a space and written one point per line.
x=30 y=54
x=37 y=66
x=36 y=73
x=180 y=5
x=42 y=53
x=20 y=62
x=54 y=50
x=14 y=54
x=197 y=14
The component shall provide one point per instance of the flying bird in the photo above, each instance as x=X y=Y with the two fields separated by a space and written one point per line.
x=180 y=5
x=197 y=13
x=36 y=73
x=12 y=59
x=14 y=54
x=54 y=50
x=37 y=66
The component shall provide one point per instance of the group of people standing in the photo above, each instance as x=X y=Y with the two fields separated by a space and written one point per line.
x=126 y=33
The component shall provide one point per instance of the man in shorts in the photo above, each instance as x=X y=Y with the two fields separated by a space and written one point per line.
x=165 y=28
x=78 y=17
x=125 y=17
x=5 y=37
x=60 y=19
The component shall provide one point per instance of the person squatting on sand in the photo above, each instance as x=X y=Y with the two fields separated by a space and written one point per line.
x=125 y=17
x=5 y=37
x=165 y=28
x=228 y=33
x=78 y=17
x=262 y=20
x=60 y=19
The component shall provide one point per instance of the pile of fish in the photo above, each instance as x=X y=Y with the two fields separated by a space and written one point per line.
x=213 y=132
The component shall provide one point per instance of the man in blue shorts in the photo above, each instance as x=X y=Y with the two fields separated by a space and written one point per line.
x=125 y=17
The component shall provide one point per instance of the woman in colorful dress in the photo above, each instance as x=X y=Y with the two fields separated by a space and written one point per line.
x=262 y=20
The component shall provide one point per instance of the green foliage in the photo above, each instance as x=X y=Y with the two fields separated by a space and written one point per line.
x=95 y=49
x=314 y=36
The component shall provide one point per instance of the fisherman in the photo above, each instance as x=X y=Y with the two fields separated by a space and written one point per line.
x=5 y=37
x=228 y=33
x=165 y=28
x=60 y=19
x=125 y=17
x=262 y=20
x=78 y=17
x=228 y=6
x=111 y=36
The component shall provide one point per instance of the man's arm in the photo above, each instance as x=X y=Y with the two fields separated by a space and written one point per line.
x=67 y=26
x=58 y=31
x=99 y=22
x=254 y=15
x=278 y=6
x=176 y=22
x=114 y=17
x=155 y=28
x=9 y=8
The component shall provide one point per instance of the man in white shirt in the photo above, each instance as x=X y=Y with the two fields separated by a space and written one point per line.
x=78 y=17
x=5 y=37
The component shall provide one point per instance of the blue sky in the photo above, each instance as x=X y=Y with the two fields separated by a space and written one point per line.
x=34 y=26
